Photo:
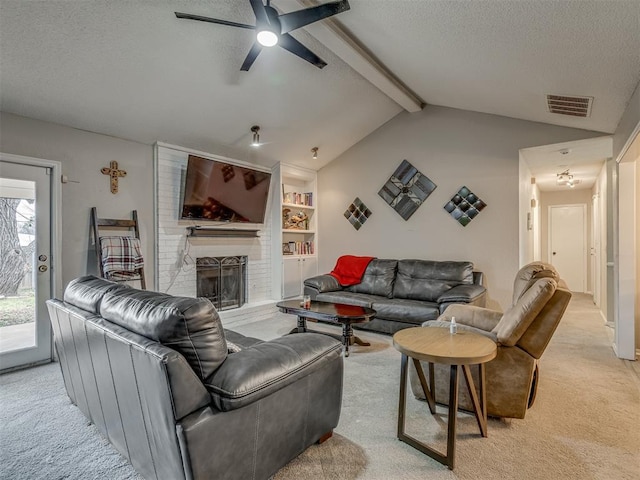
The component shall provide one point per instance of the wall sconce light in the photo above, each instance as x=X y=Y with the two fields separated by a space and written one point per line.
x=314 y=151
x=255 y=140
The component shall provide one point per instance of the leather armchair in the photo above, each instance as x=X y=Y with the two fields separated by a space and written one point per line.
x=522 y=333
x=181 y=397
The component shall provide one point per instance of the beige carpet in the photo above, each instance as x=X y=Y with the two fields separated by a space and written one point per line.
x=584 y=425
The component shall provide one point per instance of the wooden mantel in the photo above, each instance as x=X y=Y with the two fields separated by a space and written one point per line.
x=198 y=231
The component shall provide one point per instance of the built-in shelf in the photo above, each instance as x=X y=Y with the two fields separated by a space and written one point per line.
x=221 y=232
x=293 y=233
x=295 y=205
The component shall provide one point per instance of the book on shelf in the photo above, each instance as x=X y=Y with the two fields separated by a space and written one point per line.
x=296 y=198
x=298 y=248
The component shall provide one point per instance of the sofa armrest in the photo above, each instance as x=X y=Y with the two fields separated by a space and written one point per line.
x=472 y=316
x=261 y=369
x=320 y=284
x=466 y=293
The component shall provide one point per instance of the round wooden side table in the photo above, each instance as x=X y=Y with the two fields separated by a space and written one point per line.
x=437 y=345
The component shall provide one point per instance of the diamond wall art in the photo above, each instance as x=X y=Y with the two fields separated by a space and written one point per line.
x=464 y=206
x=406 y=189
x=357 y=213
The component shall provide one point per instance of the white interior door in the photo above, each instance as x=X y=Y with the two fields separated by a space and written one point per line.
x=25 y=261
x=568 y=244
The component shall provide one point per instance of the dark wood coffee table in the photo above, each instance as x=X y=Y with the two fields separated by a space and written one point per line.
x=347 y=315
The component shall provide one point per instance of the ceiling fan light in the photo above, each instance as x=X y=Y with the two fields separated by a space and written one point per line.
x=267 y=38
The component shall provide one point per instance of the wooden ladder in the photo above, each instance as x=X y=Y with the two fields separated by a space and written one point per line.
x=111 y=223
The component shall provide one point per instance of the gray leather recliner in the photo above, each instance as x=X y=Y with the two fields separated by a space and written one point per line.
x=522 y=333
x=155 y=374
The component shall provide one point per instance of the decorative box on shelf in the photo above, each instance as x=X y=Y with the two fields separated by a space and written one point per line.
x=292 y=220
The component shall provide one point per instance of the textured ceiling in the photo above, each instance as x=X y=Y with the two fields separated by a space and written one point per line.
x=504 y=56
x=584 y=160
x=132 y=70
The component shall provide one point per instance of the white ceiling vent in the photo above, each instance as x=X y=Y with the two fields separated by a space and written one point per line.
x=566 y=105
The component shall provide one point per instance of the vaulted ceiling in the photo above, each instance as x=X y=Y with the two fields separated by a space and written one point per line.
x=131 y=69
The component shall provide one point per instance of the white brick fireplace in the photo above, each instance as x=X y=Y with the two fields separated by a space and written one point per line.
x=176 y=251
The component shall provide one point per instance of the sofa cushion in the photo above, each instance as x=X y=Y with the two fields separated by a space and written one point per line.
x=191 y=326
x=517 y=319
x=358 y=299
x=528 y=274
x=378 y=278
x=403 y=310
x=427 y=280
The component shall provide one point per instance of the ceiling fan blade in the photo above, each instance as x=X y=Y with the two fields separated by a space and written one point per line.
x=300 y=18
x=294 y=46
x=251 y=56
x=200 y=18
x=260 y=12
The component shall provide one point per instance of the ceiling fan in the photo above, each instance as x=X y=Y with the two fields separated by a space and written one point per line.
x=273 y=28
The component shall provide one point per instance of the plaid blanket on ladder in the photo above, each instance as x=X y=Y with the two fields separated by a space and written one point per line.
x=121 y=257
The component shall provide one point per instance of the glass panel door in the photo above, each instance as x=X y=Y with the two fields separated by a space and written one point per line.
x=25 y=274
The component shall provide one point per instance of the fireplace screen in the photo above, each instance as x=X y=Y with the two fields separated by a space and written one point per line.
x=223 y=280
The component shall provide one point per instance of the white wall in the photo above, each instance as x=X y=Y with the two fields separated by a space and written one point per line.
x=627 y=251
x=600 y=190
x=82 y=155
x=637 y=250
x=453 y=148
x=625 y=148
x=627 y=124
x=528 y=191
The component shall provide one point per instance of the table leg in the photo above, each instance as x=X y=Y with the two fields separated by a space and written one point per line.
x=453 y=413
x=302 y=325
x=357 y=340
x=409 y=440
x=347 y=337
x=403 y=395
x=483 y=397
x=479 y=404
x=428 y=392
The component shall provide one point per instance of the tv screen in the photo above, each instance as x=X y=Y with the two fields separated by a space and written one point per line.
x=224 y=192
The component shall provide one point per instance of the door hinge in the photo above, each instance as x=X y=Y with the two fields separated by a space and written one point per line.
x=49 y=170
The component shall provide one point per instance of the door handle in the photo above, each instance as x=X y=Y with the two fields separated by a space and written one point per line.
x=554 y=253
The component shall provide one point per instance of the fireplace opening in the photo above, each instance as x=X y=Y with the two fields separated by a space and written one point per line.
x=223 y=280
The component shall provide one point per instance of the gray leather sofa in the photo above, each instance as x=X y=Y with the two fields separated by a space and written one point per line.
x=156 y=375
x=404 y=293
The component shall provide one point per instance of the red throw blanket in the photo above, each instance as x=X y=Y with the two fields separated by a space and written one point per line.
x=349 y=269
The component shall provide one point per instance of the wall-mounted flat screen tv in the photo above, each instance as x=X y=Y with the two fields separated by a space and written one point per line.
x=223 y=192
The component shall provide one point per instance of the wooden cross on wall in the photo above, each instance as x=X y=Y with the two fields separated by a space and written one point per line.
x=114 y=173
